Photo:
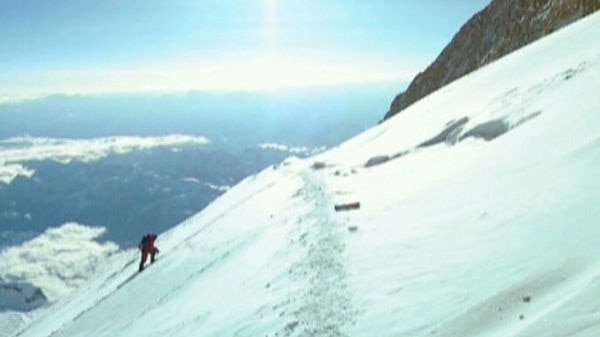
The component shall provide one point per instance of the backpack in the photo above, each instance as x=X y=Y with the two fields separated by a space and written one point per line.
x=145 y=240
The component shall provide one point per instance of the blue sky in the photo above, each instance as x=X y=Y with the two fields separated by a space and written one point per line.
x=85 y=46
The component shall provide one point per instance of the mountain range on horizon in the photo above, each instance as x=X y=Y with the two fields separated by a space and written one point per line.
x=153 y=187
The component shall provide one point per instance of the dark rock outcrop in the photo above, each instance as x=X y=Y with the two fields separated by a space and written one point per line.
x=500 y=28
x=377 y=160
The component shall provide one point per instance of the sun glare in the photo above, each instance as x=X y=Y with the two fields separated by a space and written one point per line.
x=267 y=67
x=229 y=73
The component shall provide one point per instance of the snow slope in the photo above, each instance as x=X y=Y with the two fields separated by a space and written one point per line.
x=454 y=237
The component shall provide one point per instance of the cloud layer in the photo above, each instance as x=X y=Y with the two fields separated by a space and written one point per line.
x=58 y=260
x=290 y=149
x=15 y=152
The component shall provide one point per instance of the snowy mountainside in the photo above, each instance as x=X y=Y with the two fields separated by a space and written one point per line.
x=479 y=218
x=502 y=27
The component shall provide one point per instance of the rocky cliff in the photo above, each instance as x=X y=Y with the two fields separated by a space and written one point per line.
x=500 y=28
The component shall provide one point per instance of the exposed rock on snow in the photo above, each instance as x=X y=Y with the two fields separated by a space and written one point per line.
x=318 y=165
x=377 y=160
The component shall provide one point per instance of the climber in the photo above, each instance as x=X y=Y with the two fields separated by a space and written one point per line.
x=146 y=246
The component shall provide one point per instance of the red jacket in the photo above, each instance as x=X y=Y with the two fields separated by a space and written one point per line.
x=147 y=243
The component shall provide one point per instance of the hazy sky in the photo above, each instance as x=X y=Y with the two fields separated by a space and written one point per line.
x=94 y=46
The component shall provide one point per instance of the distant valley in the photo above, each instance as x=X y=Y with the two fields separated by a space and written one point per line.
x=156 y=188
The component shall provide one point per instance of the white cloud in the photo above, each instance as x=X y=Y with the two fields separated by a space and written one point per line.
x=191 y=180
x=220 y=188
x=58 y=260
x=291 y=149
x=14 y=152
x=10 y=171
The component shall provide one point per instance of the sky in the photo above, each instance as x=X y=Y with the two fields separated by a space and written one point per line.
x=149 y=45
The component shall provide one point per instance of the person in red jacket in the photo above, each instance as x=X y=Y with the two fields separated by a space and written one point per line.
x=146 y=246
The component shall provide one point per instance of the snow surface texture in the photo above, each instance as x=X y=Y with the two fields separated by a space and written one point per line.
x=10 y=321
x=481 y=238
x=14 y=152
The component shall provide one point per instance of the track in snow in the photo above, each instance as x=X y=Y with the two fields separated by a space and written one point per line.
x=322 y=306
